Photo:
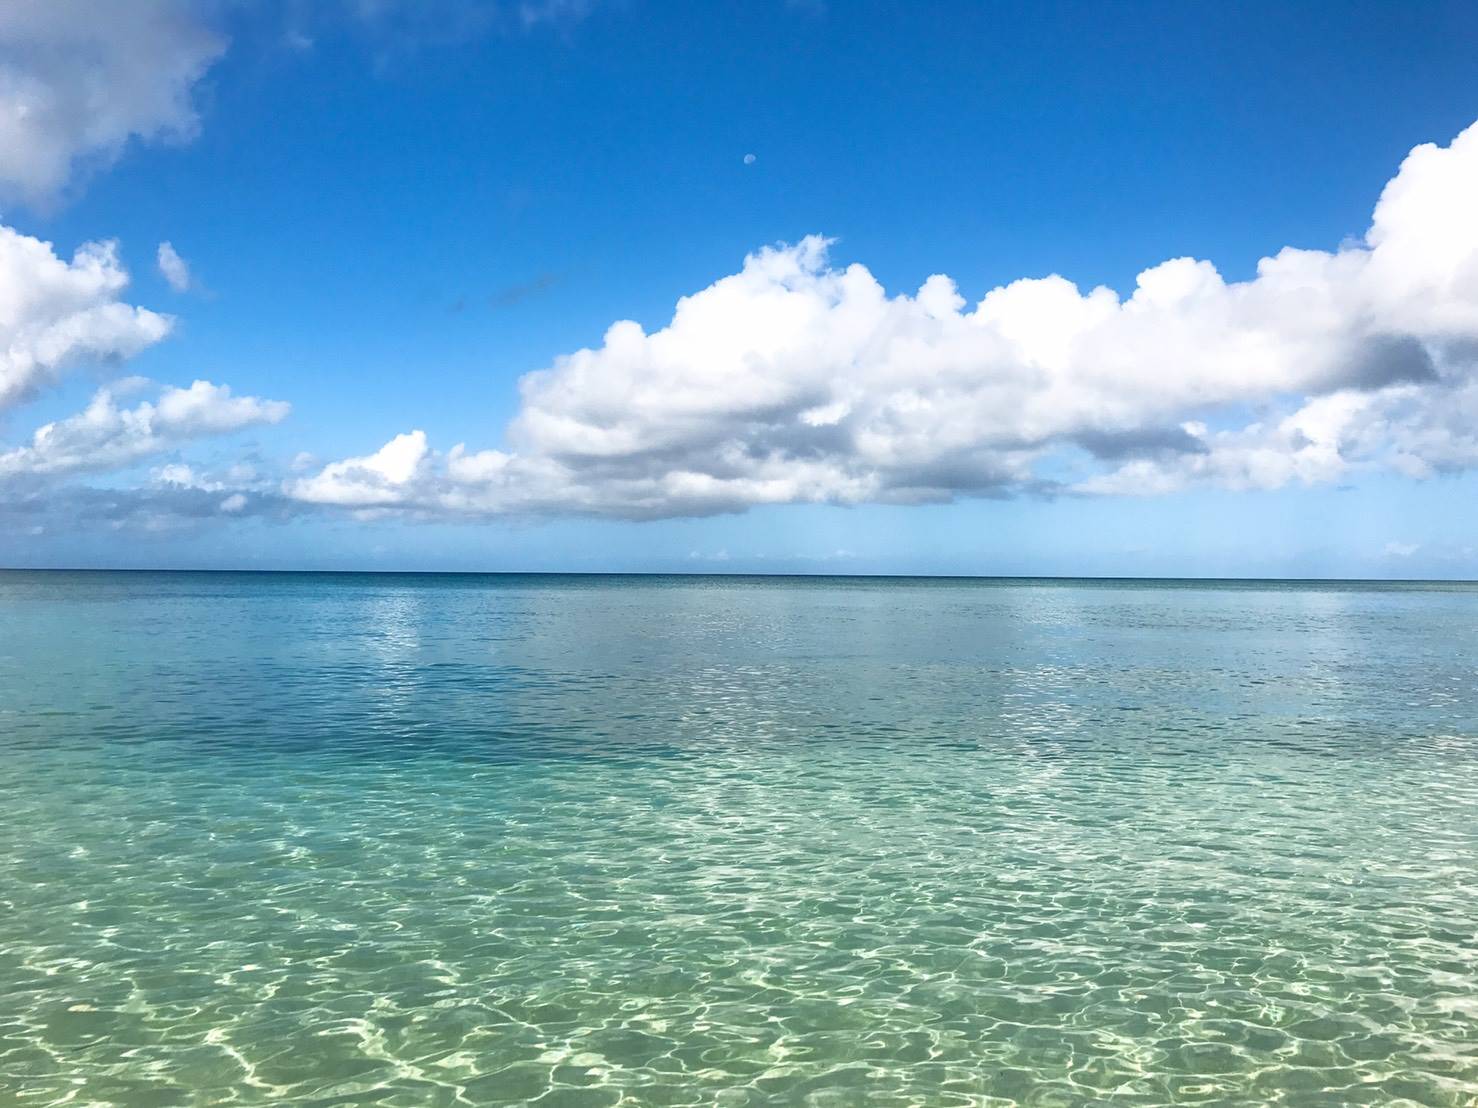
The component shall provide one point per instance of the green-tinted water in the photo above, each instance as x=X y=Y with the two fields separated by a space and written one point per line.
x=481 y=840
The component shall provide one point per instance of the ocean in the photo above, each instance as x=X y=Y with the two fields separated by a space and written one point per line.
x=502 y=839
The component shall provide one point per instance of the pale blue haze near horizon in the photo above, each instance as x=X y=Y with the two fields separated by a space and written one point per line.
x=390 y=213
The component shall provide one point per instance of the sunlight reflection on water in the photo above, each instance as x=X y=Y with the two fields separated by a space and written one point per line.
x=493 y=840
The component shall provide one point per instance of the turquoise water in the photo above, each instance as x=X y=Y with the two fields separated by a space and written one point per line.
x=322 y=839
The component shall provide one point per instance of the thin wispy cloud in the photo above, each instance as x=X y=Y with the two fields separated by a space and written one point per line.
x=173 y=267
x=399 y=27
x=524 y=290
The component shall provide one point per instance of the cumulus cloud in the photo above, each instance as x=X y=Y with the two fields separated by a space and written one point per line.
x=79 y=79
x=1417 y=430
x=56 y=313
x=43 y=484
x=173 y=268
x=373 y=481
x=798 y=380
x=107 y=437
x=181 y=476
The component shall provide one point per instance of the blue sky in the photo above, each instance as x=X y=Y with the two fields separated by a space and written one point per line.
x=391 y=213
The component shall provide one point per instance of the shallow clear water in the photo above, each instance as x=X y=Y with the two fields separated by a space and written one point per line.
x=583 y=841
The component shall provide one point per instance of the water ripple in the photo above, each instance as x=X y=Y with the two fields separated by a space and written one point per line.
x=364 y=842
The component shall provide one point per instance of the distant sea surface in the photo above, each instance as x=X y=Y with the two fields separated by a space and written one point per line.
x=449 y=840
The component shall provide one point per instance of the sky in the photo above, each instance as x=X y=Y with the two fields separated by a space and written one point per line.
x=821 y=287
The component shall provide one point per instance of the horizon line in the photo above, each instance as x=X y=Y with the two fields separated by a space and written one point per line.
x=882 y=576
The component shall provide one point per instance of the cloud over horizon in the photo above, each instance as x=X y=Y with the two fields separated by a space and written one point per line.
x=794 y=380
x=105 y=436
x=38 y=493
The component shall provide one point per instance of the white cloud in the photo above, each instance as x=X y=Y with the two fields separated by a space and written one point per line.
x=78 y=79
x=174 y=268
x=1401 y=549
x=1414 y=429
x=107 y=437
x=795 y=380
x=180 y=476
x=381 y=479
x=55 y=313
